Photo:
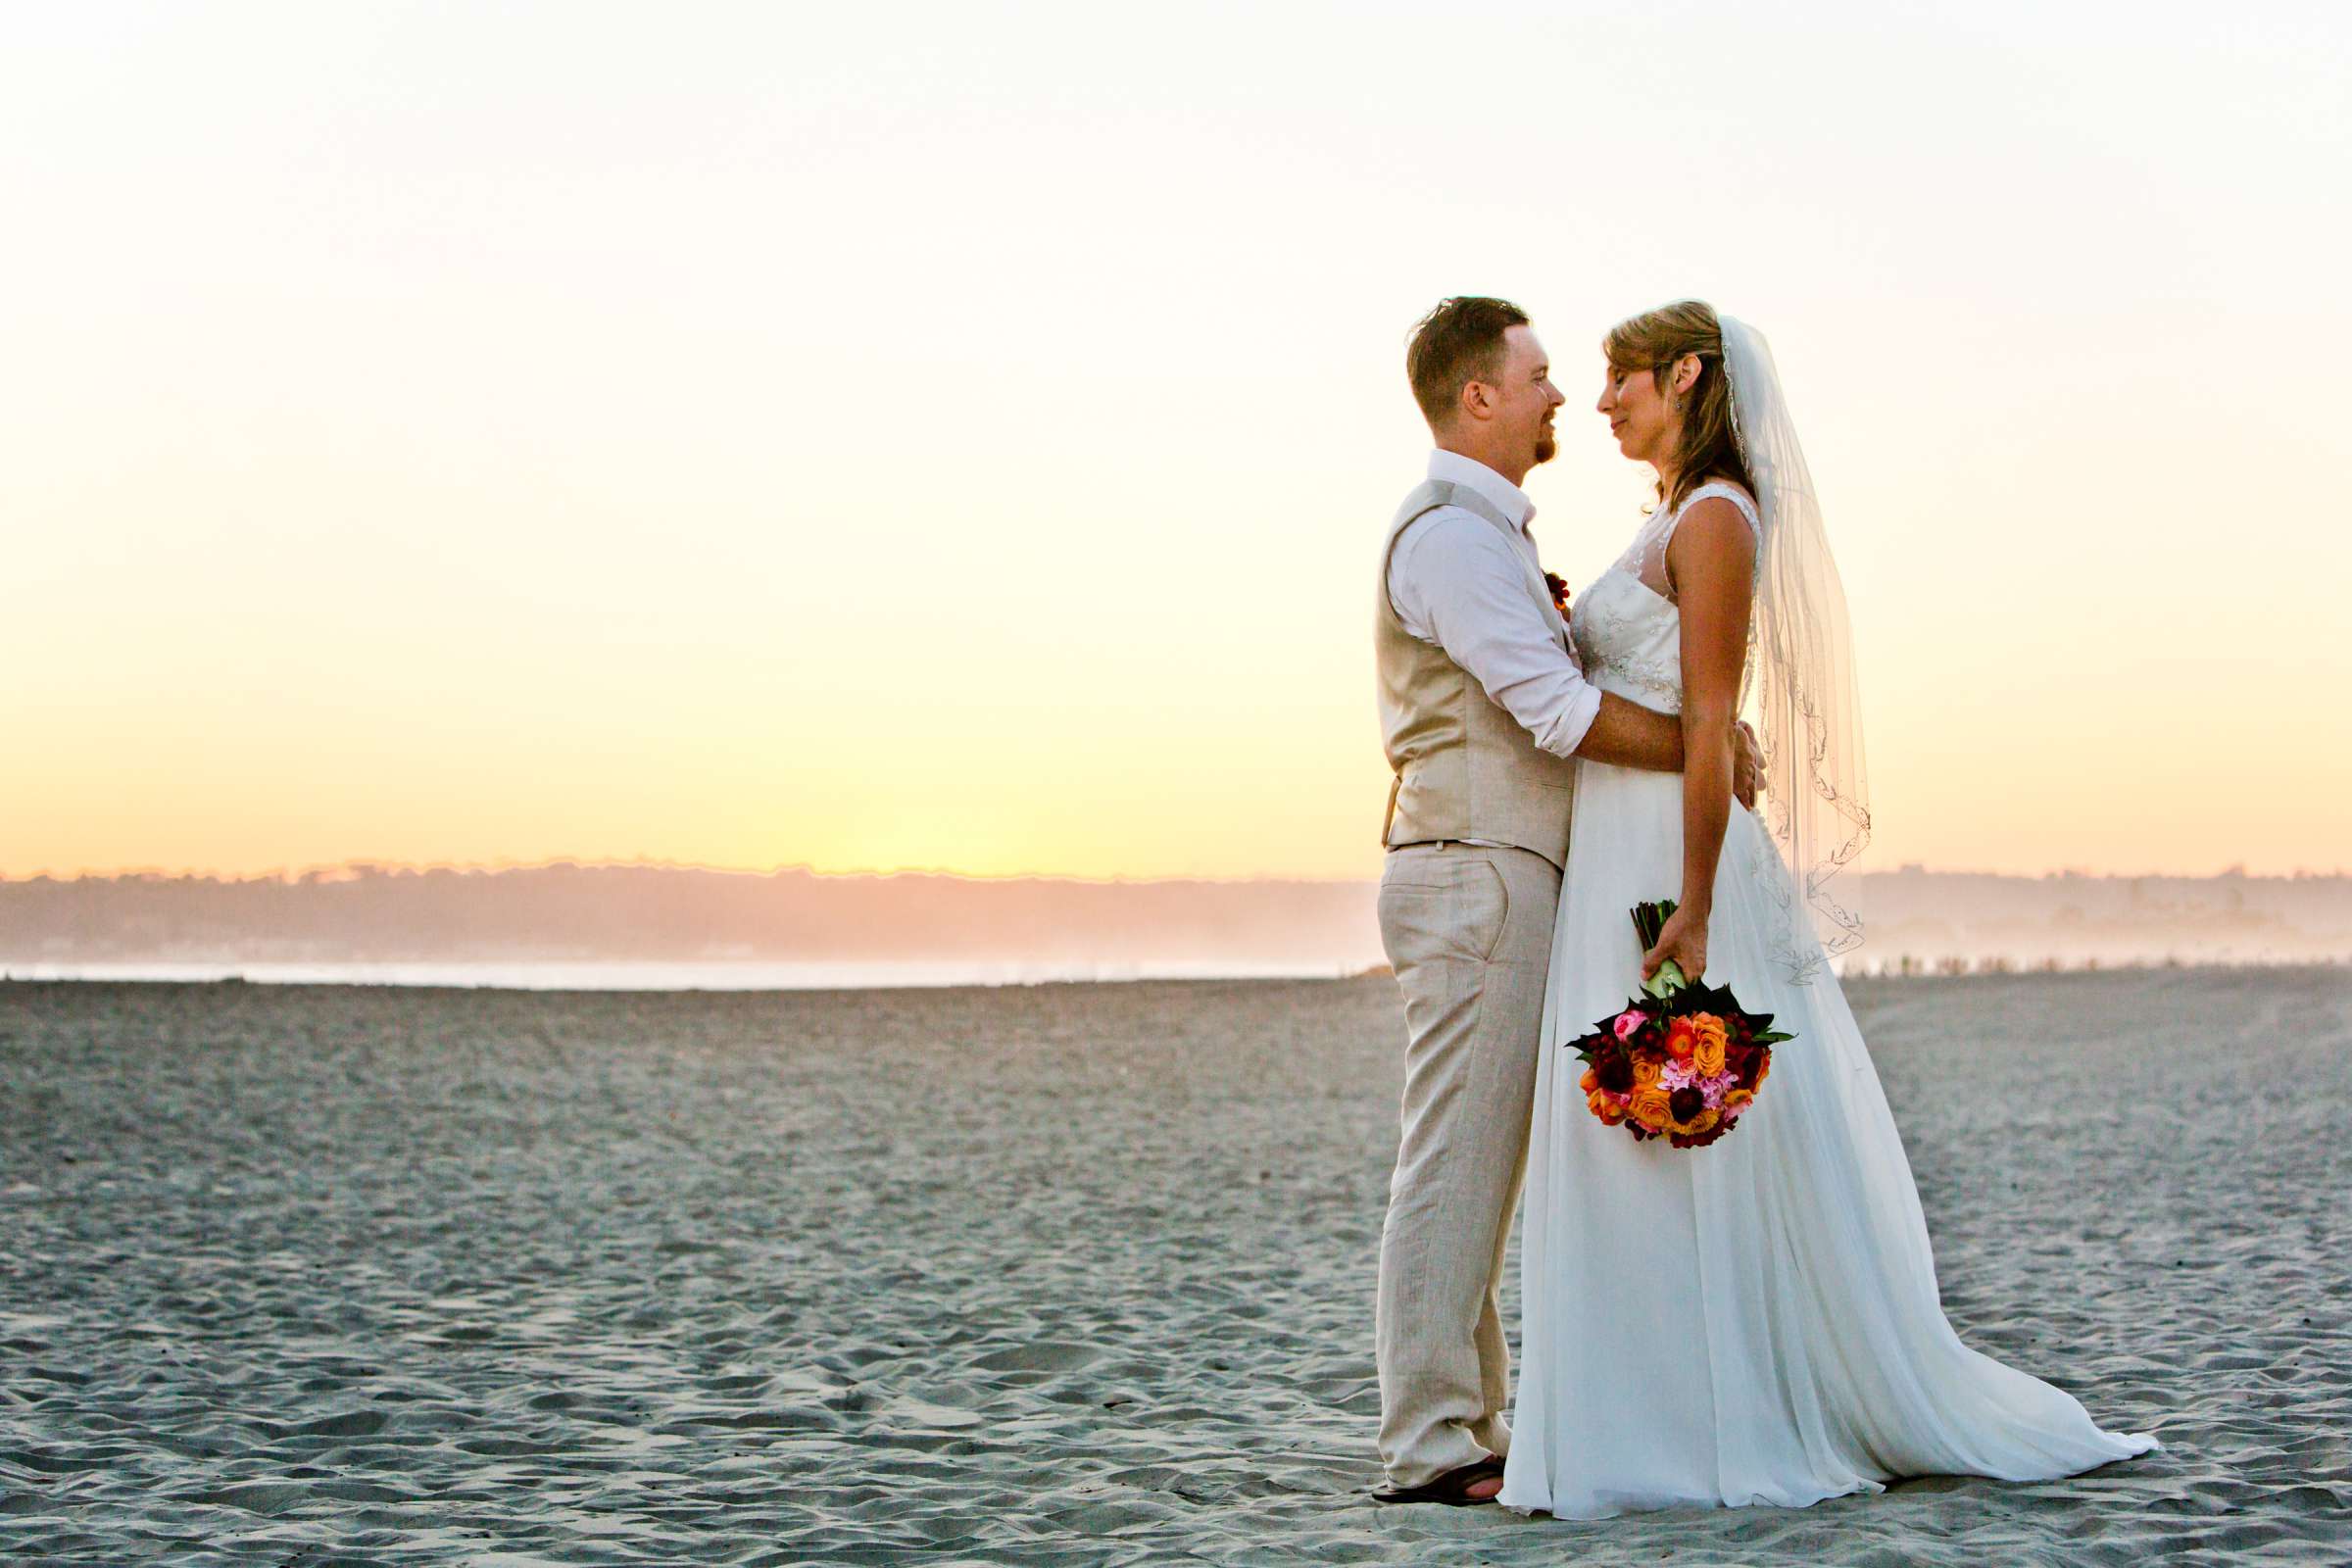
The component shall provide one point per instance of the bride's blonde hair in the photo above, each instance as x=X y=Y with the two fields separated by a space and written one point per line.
x=1656 y=341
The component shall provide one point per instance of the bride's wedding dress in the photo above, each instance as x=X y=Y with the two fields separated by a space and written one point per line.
x=1755 y=1321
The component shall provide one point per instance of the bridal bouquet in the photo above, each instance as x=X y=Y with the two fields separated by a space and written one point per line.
x=1682 y=1061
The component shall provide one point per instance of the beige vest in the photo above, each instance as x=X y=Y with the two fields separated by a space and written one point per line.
x=1465 y=768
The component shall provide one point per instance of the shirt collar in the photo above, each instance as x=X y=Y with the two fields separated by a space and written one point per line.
x=1508 y=499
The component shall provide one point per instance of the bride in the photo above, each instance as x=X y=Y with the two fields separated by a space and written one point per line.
x=1756 y=1320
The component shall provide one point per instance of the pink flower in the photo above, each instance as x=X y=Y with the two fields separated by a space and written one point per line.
x=1678 y=1074
x=1628 y=1021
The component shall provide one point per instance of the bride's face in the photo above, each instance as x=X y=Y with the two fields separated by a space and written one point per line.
x=1638 y=414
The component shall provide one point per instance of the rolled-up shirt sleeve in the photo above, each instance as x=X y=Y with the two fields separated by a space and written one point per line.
x=1456 y=582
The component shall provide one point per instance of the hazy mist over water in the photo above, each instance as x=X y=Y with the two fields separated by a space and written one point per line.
x=638 y=928
x=625 y=975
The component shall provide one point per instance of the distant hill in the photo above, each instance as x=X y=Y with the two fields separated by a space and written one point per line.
x=621 y=913
x=2069 y=918
x=563 y=912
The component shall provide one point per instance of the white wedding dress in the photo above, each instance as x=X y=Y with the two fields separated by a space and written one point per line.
x=1756 y=1321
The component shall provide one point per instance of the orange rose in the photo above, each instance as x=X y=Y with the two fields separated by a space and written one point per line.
x=1645 y=1073
x=1736 y=1100
x=1650 y=1107
x=1605 y=1107
x=1682 y=1038
x=1708 y=1054
x=1590 y=1080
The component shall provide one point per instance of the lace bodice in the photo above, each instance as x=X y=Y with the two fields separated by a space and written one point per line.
x=1626 y=630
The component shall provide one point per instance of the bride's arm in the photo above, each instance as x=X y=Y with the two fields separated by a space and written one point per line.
x=1711 y=562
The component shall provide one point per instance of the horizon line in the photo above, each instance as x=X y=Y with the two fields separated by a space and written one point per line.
x=356 y=870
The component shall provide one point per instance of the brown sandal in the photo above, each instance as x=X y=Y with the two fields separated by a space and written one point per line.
x=1453 y=1489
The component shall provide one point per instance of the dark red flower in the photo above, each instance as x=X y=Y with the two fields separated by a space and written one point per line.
x=1686 y=1103
x=1614 y=1073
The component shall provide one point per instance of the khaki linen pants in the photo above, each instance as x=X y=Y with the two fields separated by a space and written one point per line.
x=1468 y=931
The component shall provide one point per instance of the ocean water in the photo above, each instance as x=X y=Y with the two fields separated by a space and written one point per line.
x=713 y=975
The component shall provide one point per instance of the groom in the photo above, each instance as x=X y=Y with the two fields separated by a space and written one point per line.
x=1482 y=705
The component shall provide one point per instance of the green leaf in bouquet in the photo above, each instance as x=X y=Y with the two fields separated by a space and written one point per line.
x=1717 y=1000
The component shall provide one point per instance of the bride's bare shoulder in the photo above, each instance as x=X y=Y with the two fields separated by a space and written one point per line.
x=1727 y=500
x=1719 y=488
x=1713 y=533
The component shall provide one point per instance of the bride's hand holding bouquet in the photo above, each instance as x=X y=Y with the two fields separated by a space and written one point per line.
x=1680 y=947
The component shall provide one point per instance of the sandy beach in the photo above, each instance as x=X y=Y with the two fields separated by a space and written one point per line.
x=1057 y=1276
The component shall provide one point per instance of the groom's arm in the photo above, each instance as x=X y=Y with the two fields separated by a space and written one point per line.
x=1455 y=583
x=1628 y=735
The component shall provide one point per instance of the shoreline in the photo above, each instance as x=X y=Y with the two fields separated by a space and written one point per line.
x=441 y=979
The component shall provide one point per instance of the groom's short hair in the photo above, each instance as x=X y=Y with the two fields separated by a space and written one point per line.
x=1458 y=343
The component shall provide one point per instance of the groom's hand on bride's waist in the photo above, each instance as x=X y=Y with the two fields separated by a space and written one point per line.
x=1747 y=773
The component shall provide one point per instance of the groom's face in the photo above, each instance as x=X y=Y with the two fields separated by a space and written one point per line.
x=1526 y=401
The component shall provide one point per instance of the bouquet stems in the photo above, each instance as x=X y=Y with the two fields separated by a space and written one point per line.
x=1650 y=919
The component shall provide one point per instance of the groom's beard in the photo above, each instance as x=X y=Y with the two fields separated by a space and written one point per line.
x=1547 y=446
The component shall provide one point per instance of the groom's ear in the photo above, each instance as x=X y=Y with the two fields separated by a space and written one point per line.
x=1477 y=399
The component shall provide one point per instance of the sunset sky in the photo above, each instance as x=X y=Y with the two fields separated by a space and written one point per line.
x=960 y=436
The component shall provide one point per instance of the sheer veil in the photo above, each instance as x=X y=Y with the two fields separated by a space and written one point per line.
x=1801 y=672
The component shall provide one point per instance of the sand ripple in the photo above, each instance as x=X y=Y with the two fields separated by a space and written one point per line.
x=1079 y=1275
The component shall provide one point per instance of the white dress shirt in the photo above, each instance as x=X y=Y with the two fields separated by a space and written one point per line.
x=1456 y=581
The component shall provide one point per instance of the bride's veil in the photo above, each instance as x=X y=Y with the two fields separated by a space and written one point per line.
x=1802 y=670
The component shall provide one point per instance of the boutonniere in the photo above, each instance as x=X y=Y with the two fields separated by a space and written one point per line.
x=1559 y=592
